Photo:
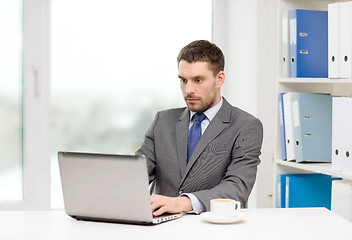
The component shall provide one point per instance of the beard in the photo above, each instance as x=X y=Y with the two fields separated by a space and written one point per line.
x=201 y=105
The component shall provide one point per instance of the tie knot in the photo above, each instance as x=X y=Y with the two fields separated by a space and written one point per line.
x=199 y=117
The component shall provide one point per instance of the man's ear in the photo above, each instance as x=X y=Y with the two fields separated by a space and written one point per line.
x=220 y=79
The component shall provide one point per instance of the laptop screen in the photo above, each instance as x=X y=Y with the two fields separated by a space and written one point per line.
x=110 y=187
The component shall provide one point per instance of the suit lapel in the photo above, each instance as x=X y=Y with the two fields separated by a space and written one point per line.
x=182 y=139
x=215 y=128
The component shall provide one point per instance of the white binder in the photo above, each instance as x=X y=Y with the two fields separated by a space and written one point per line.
x=338 y=133
x=342 y=134
x=290 y=147
x=285 y=55
x=333 y=39
x=346 y=139
x=341 y=199
x=345 y=40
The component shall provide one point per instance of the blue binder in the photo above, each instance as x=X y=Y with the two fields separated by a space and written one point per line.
x=305 y=190
x=312 y=124
x=282 y=127
x=308 y=43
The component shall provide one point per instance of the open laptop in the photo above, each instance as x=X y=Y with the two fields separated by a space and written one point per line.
x=109 y=188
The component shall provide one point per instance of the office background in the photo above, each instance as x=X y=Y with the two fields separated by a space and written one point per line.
x=244 y=29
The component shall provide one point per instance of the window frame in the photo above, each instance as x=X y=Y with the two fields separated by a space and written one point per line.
x=36 y=104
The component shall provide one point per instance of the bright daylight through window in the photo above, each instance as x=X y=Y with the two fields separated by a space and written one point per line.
x=113 y=67
x=11 y=100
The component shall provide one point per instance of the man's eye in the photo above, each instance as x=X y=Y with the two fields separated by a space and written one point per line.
x=198 y=80
x=183 y=80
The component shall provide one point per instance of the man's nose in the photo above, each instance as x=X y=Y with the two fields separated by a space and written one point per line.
x=190 y=88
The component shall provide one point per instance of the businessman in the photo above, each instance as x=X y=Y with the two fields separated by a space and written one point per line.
x=206 y=150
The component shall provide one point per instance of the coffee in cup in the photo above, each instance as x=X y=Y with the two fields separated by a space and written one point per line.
x=224 y=208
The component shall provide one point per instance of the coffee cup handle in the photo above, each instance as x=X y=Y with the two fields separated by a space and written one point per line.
x=237 y=205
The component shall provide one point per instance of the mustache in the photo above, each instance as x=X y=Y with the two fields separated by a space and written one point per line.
x=191 y=97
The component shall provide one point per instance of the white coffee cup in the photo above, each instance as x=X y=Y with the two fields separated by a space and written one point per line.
x=224 y=208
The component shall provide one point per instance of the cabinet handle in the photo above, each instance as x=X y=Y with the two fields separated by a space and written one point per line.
x=37 y=80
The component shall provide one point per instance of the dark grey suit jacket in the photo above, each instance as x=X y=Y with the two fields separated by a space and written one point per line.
x=223 y=164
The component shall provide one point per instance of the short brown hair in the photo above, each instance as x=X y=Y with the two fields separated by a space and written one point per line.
x=204 y=51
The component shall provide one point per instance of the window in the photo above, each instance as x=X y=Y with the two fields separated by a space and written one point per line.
x=113 y=67
x=11 y=100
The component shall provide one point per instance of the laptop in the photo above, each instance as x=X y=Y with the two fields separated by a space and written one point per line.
x=108 y=188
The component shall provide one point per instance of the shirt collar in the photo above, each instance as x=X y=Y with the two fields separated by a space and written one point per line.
x=211 y=112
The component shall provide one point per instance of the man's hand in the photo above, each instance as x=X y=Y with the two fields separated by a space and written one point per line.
x=162 y=204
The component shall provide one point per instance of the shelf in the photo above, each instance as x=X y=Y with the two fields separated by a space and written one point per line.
x=315 y=80
x=324 y=168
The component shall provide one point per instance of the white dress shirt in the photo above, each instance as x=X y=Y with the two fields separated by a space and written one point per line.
x=210 y=114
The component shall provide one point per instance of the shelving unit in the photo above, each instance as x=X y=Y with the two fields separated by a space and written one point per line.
x=337 y=87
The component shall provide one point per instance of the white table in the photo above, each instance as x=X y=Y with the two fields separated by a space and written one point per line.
x=293 y=223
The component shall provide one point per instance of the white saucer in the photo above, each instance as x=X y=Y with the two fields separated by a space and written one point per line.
x=207 y=216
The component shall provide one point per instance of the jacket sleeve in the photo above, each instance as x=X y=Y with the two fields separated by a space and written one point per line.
x=148 y=149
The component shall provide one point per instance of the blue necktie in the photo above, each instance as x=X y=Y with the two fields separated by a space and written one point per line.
x=194 y=134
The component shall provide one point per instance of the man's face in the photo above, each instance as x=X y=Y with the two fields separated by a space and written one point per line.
x=200 y=88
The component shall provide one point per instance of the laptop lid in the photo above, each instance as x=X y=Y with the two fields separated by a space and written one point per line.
x=105 y=187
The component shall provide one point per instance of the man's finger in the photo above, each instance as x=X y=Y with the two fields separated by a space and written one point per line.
x=159 y=211
x=155 y=202
x=156 y=205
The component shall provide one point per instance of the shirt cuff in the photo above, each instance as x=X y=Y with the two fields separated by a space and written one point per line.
x=197 y=206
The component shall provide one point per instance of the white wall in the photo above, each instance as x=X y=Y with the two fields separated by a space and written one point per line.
x=246 y=31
